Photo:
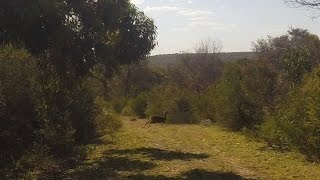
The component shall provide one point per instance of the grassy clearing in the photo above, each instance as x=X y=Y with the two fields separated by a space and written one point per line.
x=188 y=152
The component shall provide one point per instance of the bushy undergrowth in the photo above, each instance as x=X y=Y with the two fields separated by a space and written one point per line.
x=275 y=96
x=106 y=122
x=242 y=94
x=173 y=99
x=18 y=103
x=138 y=105
x=178 y=102
x=297 y=122
x=43 y=117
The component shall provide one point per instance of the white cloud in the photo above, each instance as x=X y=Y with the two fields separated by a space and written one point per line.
x=179 y=1
x=200 y=18
x=180 y=29
x=137 y=2
x=212 y=25
x=194 y=13
x=161 y=9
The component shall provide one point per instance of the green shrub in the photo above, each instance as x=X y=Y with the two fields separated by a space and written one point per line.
x=298 y=119
x=182 y=111
x=39 y=107
x=18 y=116
x=243 y=93
x=273 y=132
x=118 y=104
x=108 y=124
x=138 y=105
x=204 y=105
x=173 y=99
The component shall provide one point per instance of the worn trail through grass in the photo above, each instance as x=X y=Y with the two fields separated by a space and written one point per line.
x=188 y=152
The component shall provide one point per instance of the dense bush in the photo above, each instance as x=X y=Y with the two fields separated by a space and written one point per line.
x=229 y=98
x=204 y=105
x=138 y=105
x=243 y=93
x=297 y=122
x=18 y=102
x=108 y=124
x=176 y=101
x=42 y=112
x=47 y=107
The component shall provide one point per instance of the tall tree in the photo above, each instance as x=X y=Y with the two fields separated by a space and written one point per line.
x=291 y=54
x=75 y=35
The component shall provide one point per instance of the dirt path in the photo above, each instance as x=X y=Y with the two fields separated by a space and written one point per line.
x=188 y=152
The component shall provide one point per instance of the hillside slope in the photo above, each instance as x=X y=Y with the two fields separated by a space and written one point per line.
x=169 y=59
x=188 y=152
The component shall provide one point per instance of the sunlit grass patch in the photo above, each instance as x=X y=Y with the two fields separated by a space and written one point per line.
x=190 y=152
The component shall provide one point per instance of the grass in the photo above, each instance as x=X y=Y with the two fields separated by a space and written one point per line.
x=188 y=152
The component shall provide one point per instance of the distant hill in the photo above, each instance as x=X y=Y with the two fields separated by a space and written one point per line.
x=169 y=59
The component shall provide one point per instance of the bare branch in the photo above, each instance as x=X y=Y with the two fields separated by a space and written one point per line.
x=312 y=4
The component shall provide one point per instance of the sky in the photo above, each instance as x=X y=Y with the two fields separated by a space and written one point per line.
x=235 y=23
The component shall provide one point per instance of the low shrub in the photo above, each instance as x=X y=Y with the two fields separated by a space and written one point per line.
x=108 y=124
x=137 y=106
x=243 y=93
x=173 y=99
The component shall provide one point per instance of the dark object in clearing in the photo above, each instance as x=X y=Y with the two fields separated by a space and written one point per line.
x=157 y=119
x=133 y=119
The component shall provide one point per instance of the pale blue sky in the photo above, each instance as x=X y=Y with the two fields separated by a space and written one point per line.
x=236 y=23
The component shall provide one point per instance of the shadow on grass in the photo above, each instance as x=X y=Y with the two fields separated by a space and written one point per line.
x=150 y=177
x=204 y=174
x=159 y=154
x=195 y=174
x=110 y=167
x=119 y=164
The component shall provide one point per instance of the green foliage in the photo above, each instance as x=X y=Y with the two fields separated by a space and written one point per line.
x=296 y=64
x=182 y=111
x=67 y=111
x=242 y=94
x=108 y=124
x=17 y=108
x=138 y=105
x=297 y=41
x=133 y=79
x=299 y=118
x=272 y=131
x=204 y=104
x=290 y=55
x=228 y=98
x=46 y=102
x=118 y=104
x=176 y=101
x=75 y=36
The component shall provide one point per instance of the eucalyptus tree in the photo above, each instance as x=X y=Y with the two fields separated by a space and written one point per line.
x=76 y=35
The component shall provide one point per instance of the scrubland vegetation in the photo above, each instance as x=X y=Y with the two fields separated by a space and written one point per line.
x=54 y=58
x=273 y=97
x=70 y=71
